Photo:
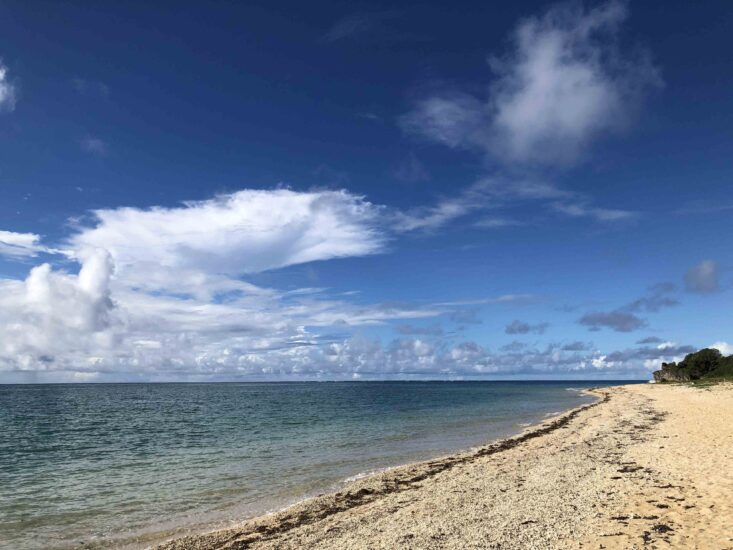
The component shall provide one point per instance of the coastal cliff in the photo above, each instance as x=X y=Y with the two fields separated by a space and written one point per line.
x=670 y=374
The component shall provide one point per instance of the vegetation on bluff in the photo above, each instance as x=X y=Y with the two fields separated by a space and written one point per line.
x=706 y=364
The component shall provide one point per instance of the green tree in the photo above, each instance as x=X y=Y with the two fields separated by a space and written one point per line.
x=700 y=363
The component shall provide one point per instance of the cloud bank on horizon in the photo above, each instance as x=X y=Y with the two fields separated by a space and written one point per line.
x=190 y=291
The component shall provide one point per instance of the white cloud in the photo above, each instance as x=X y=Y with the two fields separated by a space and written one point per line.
x=94 y=322
x=53 y=313
x=20 y=245
x=564 y=84
x=8 y=91
x=182 y=248
x=723 y=347
x=160 y=291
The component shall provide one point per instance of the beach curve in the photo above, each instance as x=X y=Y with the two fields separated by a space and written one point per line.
x=594 y=476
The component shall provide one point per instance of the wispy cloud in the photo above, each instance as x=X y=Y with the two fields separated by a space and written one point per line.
x=447 y=209
x=370 y=116
x=489 y=193
x=8 y=90
x=581 y=210
x=21 y=245
x=411 y=170
x=94 y=146
x=703 y=278
x=501 y=299
x=498 y=193
x=359 y=25
x=87 y=86
x=452 y=118
x=493 y=222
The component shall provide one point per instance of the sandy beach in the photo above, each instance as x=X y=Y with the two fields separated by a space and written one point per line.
x=646 y=466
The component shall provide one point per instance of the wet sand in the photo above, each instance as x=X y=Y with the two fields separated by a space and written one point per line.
x=646 y=466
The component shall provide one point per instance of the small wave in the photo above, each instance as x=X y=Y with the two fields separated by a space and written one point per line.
x=362 y=475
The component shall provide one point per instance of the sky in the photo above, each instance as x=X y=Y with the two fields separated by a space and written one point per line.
x=333 y=191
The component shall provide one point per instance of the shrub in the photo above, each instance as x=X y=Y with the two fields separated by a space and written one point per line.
x=706 y=363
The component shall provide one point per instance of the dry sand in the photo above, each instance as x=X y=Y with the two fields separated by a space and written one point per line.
x=647 y=466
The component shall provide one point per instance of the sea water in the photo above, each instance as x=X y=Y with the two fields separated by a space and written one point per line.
x=126 y=465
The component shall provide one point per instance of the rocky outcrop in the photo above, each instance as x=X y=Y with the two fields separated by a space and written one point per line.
x=670 y=375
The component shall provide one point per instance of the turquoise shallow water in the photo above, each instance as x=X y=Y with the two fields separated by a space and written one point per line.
x=127 y=464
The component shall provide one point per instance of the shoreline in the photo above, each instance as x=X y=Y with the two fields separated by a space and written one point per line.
x=162 y=539
x=212 y=500
x=348 y=499
x=639 y=466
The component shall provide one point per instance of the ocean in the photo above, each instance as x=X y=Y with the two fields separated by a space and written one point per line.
x=126 y=465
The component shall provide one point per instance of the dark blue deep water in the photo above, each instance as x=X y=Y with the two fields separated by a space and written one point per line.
x=129 y=464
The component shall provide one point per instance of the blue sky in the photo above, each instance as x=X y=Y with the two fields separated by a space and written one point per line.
x=321 y=191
